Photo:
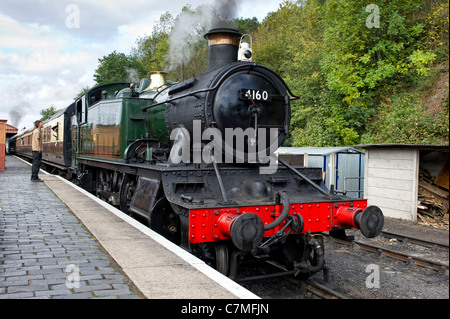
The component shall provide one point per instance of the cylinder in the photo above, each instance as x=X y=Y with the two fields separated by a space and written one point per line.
x=370 y=220
x=346 y=215
x=246 y=230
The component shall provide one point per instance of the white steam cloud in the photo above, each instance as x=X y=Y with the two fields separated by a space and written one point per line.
x=132 y=75
x=190 y=27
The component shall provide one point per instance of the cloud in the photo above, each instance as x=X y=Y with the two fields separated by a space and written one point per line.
x=43 y=62
x=46 y=60
x=36 y=61
x=98 y=20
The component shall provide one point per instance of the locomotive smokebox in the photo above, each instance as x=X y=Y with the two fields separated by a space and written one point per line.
x=223 y=47
x=245 y=103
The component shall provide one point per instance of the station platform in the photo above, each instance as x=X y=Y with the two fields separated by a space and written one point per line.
x=57 y=241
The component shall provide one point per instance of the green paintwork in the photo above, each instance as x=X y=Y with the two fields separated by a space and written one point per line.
x=113 y=123
x=157 y=116
x=157 y=120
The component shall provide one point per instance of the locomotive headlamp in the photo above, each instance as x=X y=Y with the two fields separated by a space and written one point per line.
x=245 y=51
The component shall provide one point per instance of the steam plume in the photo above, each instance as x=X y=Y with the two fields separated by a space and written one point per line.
x=190 y=27
x=17 y=113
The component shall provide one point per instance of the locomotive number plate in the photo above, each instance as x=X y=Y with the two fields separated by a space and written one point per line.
x=255 y=95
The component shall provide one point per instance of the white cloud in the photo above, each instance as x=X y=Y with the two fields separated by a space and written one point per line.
x=43 y=62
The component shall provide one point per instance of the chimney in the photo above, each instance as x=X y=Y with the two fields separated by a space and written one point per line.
x=223 y=47
x=158 y=79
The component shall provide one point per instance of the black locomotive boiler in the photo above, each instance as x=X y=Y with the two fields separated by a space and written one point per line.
x=195 y=160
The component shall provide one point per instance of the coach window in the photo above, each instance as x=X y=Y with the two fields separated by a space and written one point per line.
x=55 y=131
x=81 y=110
x=44 y=133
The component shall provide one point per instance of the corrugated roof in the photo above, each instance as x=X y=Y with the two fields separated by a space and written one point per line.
x=436 y=147
x=10 y=129
x=323 y=151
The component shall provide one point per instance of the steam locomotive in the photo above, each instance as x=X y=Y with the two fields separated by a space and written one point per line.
x=195 y=160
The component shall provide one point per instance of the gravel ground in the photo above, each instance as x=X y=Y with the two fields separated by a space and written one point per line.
x=364 y=275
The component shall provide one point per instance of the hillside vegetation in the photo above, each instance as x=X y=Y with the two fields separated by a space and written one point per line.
x=365 y=71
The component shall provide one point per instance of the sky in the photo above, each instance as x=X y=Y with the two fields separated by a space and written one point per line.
x=49 y=49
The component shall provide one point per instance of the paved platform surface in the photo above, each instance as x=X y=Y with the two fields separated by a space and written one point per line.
x=57 y=241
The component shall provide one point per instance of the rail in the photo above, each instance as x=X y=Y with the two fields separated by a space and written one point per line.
x=416 y=241
x=396 y=255
x=318 y=289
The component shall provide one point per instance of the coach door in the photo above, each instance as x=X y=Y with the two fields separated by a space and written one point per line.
x=74 y=137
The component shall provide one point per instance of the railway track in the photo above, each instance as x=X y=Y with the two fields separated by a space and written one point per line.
x=320 y=290
x=323 y=290
x=402 y=256
x=416 y=241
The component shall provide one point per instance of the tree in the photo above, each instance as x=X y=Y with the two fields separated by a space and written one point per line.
x=372 y=48
x=48 y=112
x=176 y=44
x=290 y=41
x=362 y=57
x=82 y=92
x=344 y=59
x=151 y=50
x=247 y=26
x=117 y=67
x=362 y=71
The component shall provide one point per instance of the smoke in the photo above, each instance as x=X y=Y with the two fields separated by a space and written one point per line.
x=15 y=116
x=17 y=112
x=190 y=27
x=188 y=30
x=227 y=10
x=132 y=75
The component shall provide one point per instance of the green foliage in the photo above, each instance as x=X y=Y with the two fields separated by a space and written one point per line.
x=419 y=60
x=119 y=67
x=363 y=71
x=82 y=92
x=247 y=26
x=404 y=121
x=410 y=114
x=436 y=26
x=273 y=43
x=360 y=58
x=341 y=56
x=176 y=44
x=151 y=50
x=48 y=112
x=188 y=56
